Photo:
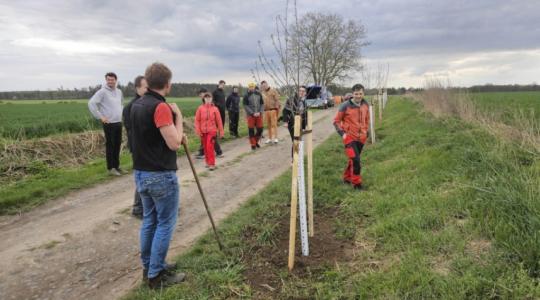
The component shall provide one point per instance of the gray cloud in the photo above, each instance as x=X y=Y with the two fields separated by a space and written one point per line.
x=46 y=44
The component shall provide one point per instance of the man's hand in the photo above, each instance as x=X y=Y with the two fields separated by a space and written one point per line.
x=344 y=136
x=176 y=110
x=104 y=120
x=184 y=139
x=256 y=114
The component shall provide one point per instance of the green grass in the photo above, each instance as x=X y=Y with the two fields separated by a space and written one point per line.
x=35 y=118
x=507 y=103
x=450 y=212
x=46 y=183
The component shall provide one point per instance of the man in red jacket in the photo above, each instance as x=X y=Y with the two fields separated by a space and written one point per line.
x=352 y=123
x=208 y=125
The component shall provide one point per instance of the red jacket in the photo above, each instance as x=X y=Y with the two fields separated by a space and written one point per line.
x=353 y=119
x=208 y=120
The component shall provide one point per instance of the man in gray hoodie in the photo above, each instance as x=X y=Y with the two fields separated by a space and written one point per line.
x=106 y=106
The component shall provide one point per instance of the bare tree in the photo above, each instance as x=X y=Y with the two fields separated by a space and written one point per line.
x=284 y=70
x=326 y=47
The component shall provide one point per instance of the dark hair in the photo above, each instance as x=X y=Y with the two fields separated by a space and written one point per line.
x=303 y=87
x=111 y=74
x=202 y=90
x=138 y=80
x=263 y=82
x=207 y=94
x=222 y=81
x=157 y=75
x=357 y=87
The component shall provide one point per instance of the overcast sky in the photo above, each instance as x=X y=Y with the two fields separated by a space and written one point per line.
x=45 y=44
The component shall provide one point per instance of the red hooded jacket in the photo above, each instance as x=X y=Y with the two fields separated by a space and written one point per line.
x=353 y=119
x=208 y=120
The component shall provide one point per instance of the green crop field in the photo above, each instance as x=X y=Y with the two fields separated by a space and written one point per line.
x=36 y=118
x=507 y=103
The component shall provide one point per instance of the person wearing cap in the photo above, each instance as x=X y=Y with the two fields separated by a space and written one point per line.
x=254 y=107
x=272 y=106
x=208 y=126
x=217 y=147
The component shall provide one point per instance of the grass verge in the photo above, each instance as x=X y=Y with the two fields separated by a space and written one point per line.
x=450 y=212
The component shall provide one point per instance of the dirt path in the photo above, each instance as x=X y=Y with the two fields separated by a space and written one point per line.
x=85 y=245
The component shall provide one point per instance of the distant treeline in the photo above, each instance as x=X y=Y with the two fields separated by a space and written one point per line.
x=191 y=89
x=177 y=90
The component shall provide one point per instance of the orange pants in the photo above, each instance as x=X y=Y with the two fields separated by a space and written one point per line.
x=254 y=123
x=271 y=117
x=208 y=141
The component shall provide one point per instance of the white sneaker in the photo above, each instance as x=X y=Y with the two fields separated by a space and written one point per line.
x=268 y=141
x=276 y=141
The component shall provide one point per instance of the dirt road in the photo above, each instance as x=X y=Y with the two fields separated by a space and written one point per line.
x=85 y=245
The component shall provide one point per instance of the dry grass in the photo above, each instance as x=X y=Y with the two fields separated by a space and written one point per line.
x=442 y=100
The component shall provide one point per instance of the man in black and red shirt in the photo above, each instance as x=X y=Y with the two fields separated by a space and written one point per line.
x=157 y=133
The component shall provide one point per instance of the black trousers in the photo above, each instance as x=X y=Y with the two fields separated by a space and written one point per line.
x=222 y=114
x=113 y=142
x=233 y=122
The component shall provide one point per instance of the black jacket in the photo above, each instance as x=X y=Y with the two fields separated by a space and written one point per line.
x=219 y=98
x=126 y=119
x=233 y=102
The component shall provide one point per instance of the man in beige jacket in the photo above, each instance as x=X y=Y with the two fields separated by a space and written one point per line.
x=272 y=106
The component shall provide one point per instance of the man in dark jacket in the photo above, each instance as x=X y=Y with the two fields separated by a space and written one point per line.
x=254 y=106
x=218 y=98
x=233 y=107
x=140 y=88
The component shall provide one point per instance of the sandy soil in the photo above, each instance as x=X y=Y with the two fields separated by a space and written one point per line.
x=85 y=245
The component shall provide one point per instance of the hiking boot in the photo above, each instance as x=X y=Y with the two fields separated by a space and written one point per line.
x=257 y=145
x=211 y=168
x=358 y=187
x=168 y=267
x=138 y=215
x=114 y=172
x=121 y=171
x=166 y=279
x=253 y=148
x=199 y=156
x=220 y=155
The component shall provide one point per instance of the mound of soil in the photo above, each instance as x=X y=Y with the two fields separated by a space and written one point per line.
x=265 y=263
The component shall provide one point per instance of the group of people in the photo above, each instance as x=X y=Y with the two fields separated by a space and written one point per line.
x=155 y=132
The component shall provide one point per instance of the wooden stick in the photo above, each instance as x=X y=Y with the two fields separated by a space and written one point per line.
x=294 y=192
x=309 y=149
x=202 y=194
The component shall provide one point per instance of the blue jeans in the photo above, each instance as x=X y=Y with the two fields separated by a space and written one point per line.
x=160 y=195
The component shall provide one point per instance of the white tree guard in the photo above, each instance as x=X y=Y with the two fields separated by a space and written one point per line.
x=371 y=124
x=302 y=200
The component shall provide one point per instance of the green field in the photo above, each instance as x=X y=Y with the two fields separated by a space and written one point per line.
x=33 y=118
x=508 y=103
x=449 y=212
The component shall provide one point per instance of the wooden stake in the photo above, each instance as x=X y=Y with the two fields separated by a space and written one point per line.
x=309 y=150
x=294 y=192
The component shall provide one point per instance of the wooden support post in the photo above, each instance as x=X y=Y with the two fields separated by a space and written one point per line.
x=379 y=98
x=371 y=124
x=309 y=150
x=294 y=192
